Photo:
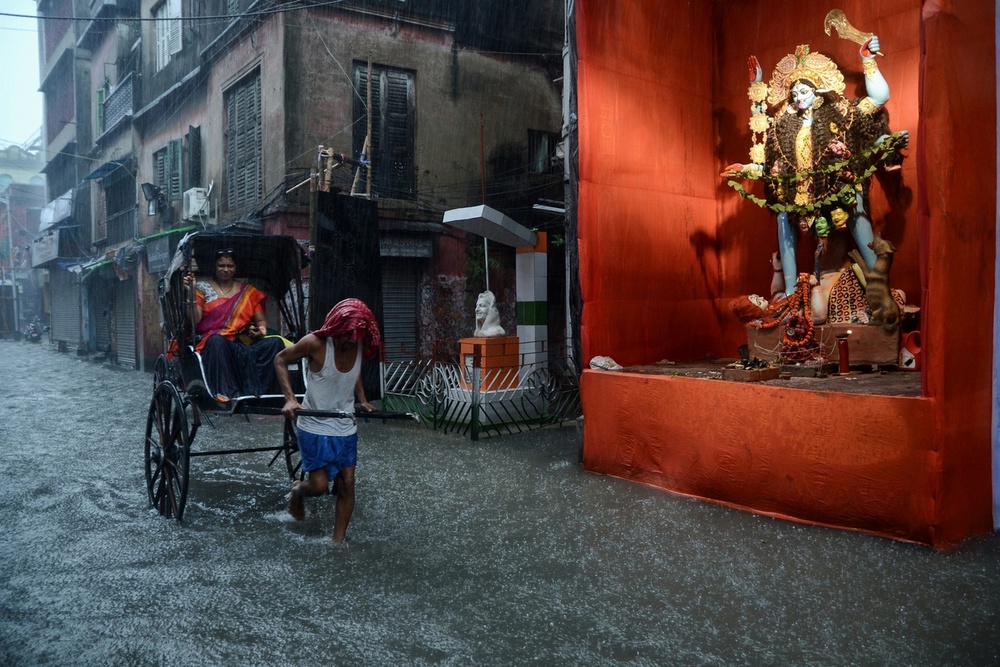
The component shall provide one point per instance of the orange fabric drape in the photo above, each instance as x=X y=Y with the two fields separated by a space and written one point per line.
x=647 y=181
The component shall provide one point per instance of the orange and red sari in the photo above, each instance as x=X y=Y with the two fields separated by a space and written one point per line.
x=230 y=316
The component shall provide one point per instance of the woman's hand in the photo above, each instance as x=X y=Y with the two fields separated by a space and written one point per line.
x=257 y=328
x=190 y=295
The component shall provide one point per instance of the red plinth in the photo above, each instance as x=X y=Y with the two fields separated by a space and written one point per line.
x=499 y=360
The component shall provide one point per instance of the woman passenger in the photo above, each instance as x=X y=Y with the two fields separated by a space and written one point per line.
x=231 y=325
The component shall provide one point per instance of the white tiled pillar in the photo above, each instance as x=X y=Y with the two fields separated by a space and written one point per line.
x=533 y=302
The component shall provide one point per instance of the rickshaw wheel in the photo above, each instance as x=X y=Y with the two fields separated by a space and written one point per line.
x=290 y=445
x=159 y=370
x=167 y=451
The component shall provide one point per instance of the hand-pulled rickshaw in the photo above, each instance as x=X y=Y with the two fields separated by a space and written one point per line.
x=181 y=390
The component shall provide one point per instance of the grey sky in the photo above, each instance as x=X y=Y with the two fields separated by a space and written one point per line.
x=20 y=101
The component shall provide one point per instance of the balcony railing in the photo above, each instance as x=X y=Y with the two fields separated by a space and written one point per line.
x=120 y=104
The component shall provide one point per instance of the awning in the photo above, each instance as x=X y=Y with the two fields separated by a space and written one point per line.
x=86 y=270
x=490 y=224
x=106 y=169
x=56 y=210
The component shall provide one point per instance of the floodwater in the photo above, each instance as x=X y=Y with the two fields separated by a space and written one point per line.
x=497 y=552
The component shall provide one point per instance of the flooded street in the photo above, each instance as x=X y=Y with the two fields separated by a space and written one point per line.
x=498 y=552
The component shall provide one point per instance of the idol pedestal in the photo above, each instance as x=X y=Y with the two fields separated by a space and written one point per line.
x=867 y=344
x=498 y=362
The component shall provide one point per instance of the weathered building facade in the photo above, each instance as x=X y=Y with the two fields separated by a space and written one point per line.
x=109 y=276
x=209 y=114
x=22 y=195
x=66 y=137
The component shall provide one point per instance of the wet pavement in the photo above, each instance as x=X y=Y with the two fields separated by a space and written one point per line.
x=498 y=552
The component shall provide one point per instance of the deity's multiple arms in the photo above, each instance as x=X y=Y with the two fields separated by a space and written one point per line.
x=815 y=149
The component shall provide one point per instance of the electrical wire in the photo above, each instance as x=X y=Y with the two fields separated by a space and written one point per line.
x=116 y=19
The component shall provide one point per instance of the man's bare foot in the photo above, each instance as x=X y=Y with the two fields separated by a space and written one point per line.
x=296 y=505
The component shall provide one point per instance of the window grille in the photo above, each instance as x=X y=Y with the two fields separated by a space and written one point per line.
x=119 y=195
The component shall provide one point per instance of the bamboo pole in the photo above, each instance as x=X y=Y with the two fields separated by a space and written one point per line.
x=313 y=216
x=482 y=178
x=368 y=136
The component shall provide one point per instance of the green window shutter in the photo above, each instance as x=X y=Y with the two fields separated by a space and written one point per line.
x=102 y=95
x=393 y=128
x=193 y=157
x=244 y=143
x=174 y=169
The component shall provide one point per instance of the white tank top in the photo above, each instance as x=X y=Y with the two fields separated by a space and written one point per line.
x=329 y=389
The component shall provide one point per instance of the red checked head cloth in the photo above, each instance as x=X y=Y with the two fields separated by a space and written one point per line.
x=355 y=317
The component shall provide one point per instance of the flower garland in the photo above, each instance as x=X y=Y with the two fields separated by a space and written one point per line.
x=773 y=314
x=846 y=196
x=799 y=329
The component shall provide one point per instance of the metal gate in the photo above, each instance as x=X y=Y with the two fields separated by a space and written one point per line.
x=65 y=308
x=7 y=326
x=458 y=398
x=399 y=309
x=100 y=308
x=124 y=305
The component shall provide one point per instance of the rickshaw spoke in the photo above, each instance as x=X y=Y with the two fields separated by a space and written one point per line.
x=166 y=451
x=170 y=487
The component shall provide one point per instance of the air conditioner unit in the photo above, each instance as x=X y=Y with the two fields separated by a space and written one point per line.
x=197 y=207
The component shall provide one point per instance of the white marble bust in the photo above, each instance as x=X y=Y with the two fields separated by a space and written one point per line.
x=487 y=317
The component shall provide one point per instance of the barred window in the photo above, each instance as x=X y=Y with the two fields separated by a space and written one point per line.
x=119 y=204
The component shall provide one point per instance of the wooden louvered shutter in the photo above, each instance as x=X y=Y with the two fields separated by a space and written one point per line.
x=193 y=156
x=174 y=27
x=397 y=122
x=174 y=169
x=244 y=143
x=361 y=115
x=393 y=112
